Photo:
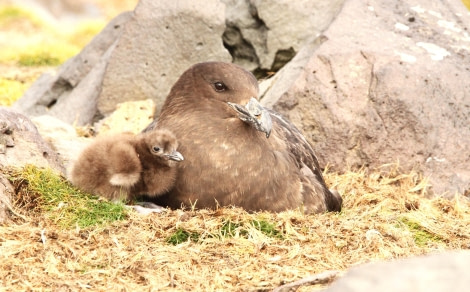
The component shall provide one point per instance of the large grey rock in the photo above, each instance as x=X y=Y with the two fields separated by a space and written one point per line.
x=138 y=56
x=161 y=41
x=267 y=34
x=432 y=273
x=291 y=23
x=246 y=34
x=389 y=84
x=72 y=93
x=21 y=144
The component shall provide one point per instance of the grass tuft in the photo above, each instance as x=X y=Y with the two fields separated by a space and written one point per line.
x=44 y=55
x=11 y=16
x=42 y=190
x=181 y=236
x=421 y=235
x=267 y=228
x=231 y=229
x=39 y=59
x=228 y=229
x=51 y=47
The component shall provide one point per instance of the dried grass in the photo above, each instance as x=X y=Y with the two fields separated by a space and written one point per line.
x=386 y=215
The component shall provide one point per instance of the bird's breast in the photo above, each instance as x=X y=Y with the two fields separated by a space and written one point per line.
x=226 y=159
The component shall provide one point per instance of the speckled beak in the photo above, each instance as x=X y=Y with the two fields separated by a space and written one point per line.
x=254 y=114
x=175 y=156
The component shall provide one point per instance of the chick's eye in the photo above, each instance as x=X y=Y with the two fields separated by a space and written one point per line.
x=220 y=86
x=156 y=148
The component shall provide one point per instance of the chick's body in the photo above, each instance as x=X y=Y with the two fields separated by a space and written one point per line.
x=124 y=165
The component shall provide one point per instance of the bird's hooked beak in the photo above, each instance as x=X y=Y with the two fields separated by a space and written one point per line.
x=255 y=114
x=175 y=156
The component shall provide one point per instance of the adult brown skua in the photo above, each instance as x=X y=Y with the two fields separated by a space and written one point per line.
x=236 y=151
x=122 y=166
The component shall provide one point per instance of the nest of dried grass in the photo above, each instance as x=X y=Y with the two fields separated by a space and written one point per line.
x=386 y=215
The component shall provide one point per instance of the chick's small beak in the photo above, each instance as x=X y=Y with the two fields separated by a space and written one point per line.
x=255 y=114
x=176 y=156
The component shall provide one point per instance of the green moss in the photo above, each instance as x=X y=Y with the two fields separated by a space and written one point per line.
x=227 y=229
x=46 y=55
x=51 y=53
x=421 y=236
x=37 y=42
x=267 y=228
x=40 y=59
x=11 y=14
x=10 y=91
x=43 y=189
x=181 y=236
x=230 y=229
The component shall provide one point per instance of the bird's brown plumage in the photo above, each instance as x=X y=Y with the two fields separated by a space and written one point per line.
x=229 y=162
x=158 y=168
x=124 y=165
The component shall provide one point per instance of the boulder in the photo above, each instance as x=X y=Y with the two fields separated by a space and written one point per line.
x=387 y=83
x=71 y=94
x=162 y=40
x=265 y=35
x=21 y=144
x=138 y=56
x=447 y=271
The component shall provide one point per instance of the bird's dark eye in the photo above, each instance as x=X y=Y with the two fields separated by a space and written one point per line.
x=220 y=86
x=156 y=148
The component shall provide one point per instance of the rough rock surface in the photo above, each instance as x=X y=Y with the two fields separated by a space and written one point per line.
x=138 y=56
x=162 y=40
x=388 y=84
x=71 y=95
x=21 y=143
x=141 y=53
x=267 y=34
x=432 y=273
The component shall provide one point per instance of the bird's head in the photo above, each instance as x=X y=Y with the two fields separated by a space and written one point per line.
x=162 y=144
x=221 y=90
